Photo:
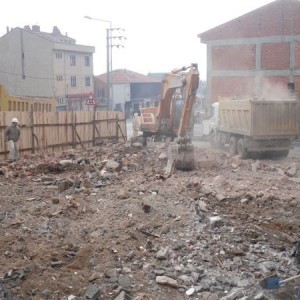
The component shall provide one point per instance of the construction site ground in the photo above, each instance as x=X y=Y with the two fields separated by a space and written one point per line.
x=107 y=223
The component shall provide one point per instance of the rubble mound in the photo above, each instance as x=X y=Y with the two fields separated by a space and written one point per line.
x=107 y=223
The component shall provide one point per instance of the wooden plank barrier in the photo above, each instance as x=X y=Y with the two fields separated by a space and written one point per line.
x=58 y=131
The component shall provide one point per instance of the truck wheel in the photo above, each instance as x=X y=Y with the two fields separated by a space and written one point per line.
x=219 y=144
x=241 y=150
x=232 y=146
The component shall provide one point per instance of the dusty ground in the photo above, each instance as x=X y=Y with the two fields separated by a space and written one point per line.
x=105 y=223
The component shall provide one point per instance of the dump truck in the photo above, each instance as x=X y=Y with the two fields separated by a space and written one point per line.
x=252 y=126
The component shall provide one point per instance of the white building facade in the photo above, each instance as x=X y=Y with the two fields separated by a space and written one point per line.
x=39 y=64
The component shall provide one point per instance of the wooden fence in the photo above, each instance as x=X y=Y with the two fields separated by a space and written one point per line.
x=58 y=131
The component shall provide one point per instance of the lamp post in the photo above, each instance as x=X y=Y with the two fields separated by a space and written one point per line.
x=107 y=55
x=109 y=46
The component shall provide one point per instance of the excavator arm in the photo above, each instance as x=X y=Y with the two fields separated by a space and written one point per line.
x=183 y=153
x=165 y=111
x=190 y=90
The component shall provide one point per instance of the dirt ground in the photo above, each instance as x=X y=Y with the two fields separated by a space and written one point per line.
x=106 y=223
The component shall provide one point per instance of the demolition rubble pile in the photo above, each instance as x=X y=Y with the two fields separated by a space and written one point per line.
x=106 y=223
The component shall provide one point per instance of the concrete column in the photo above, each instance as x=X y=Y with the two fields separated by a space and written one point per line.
x=208 y=75
x=258 y=74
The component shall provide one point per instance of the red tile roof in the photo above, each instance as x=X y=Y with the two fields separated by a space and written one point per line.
x=280 y=17
x=126 y=76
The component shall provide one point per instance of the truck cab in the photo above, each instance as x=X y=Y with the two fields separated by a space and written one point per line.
x=214 y=119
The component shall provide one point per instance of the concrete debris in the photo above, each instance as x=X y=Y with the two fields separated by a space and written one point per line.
x=190 y=291
x=93 y=293
x=118 y=222
x=164 y=280
x=215 y=221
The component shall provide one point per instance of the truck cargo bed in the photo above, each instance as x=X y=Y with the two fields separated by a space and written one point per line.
x=259 y=119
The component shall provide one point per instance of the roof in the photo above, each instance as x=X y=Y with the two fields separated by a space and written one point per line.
x=123 y=76
x=56 y=39
x=280 y=17
x=54 y=36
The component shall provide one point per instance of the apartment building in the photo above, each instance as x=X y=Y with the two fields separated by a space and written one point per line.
x=40 y=64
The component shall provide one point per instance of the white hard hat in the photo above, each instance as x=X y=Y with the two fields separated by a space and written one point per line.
x=14 y=120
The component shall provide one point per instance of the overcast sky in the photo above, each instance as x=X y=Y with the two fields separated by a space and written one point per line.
x=161 y=34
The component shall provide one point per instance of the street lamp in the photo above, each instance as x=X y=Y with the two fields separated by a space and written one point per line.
x=107 y=55
x=109 y=47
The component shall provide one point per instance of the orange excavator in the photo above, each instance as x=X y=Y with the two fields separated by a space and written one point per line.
x=172 y=117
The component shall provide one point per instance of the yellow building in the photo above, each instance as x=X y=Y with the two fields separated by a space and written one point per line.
x=13 y=103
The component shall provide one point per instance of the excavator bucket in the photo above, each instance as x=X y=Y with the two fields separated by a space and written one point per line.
x=183 y=156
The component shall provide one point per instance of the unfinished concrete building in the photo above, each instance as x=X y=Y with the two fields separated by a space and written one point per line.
x=256 y=55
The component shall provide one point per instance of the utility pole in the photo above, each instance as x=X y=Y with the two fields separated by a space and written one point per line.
x=109 y=46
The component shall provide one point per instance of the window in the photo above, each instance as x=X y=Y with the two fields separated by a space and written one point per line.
x=59 y=78
x=87 y=61
x=87 y=81
x=60 y=100
x=72 y=60
x=58 y=55
x=100 y=92
x=73 y=80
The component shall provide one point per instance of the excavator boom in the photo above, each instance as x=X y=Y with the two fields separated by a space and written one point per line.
x=183 y=153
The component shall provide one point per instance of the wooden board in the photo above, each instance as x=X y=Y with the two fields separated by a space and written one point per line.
x=58 y=131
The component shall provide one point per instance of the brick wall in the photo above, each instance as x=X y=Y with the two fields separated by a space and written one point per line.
x=275 y=56
x=232 y=87
x=234 y=57
x=297 y=56
x=262 y=66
